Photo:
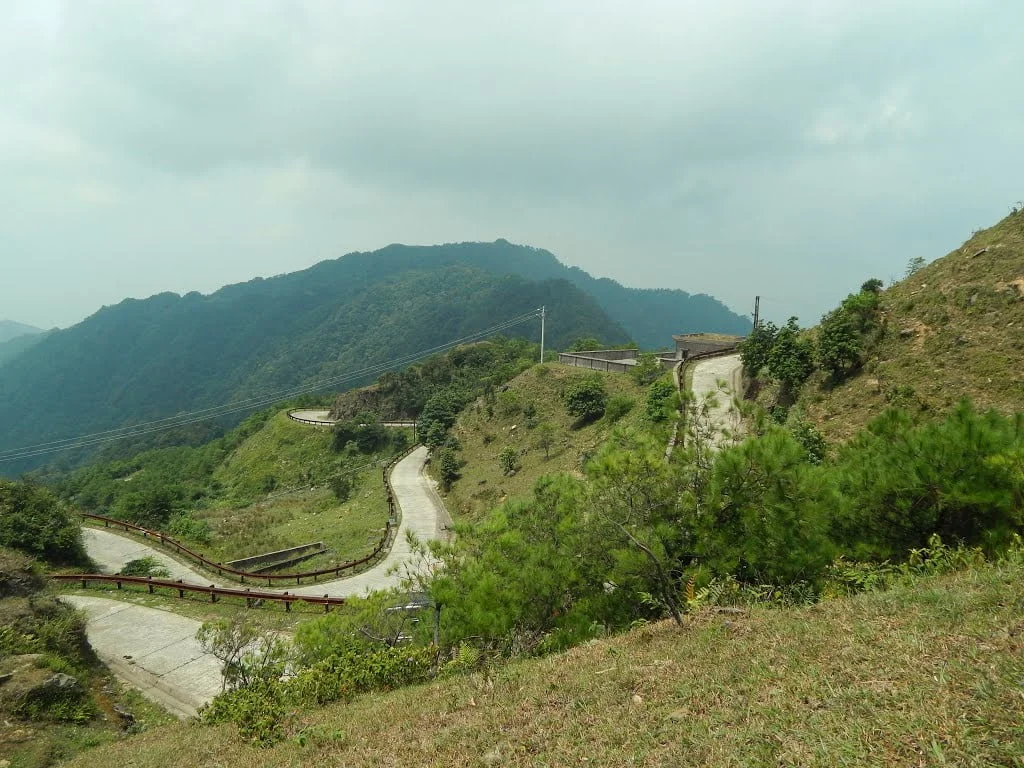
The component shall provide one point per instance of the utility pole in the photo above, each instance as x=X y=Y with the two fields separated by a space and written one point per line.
x=757 y=309
x=543 y=314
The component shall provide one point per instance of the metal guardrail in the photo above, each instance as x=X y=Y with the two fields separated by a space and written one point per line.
x=223 y=570
x=182 y=587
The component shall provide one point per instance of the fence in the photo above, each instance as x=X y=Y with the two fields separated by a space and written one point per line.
x=251 y=598
x=225 y=570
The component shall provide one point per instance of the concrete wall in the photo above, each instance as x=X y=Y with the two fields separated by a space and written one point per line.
x=694 y=345
x=596 y=364
x=281 y=557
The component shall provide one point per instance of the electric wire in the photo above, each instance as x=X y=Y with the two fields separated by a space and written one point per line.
x=191 y=417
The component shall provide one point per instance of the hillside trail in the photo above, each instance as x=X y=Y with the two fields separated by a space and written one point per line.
x=155 y=650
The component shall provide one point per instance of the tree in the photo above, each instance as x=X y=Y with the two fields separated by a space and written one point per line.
x=647 y=369
x=791 y=359
x=438 y=416
x=635 y=500
x=658 y=397
x=33 y=521
x=546 y=438
x=250 y=653
x=767 y=512
x=588 y=344
x=839 y=344
x=874 y=285
x=914 y=265
x=342 y=485
x=448 y=467
x=755 y=349
x=586 y=398
x=509 y=460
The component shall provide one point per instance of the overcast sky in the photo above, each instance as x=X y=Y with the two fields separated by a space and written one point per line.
x=788 y=148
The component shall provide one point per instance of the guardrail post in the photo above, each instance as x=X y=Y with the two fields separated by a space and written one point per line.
x=248 y=601
x=213 y=595
x=181 y=592
x=287 y=604
x=85 y=583
x=150 y=585
x=327 y=605
x=118 y=584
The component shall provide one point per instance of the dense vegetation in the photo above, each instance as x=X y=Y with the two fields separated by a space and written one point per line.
x=150 y=359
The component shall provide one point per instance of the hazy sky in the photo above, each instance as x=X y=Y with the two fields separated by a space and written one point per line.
x=787 y=148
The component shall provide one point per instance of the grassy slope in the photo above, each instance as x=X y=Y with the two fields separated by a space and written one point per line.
x=928 y=673
x=483 y=485
x=966 y=314
x=294 y=455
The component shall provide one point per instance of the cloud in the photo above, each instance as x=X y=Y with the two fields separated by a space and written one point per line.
x=788 y=148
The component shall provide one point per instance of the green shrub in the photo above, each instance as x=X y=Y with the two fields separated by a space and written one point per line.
x=903 y=482
x=586 y=398
x=187 y=527
x=659 y=396
x=618 y=406
x=33 y=521
x=509 y=460
x=145 y=566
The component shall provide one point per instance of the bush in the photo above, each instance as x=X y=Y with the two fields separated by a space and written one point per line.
x=187 y=527
x=509 y=460
x=145 y=566
x=342 y=485
x=647 y=369
x=448 y=467
x=617 y=407
x=904 y=482
x=586 y=398
x=658 y=398
x=768 y=513
x=33 y=521
x=791 y=359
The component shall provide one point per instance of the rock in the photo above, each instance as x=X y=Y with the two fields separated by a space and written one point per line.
x=637 y=699
x=907 y=333
x=492 y=758
x=973 y=300
x=677 y=716
x=64 y=684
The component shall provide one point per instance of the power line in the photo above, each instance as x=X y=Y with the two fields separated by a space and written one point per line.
x=183 y=419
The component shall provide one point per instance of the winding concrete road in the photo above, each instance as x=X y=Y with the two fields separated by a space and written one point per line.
x=156 y=650
x=722 y=377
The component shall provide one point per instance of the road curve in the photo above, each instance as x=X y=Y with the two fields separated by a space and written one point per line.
x=155 y=650
x=423 y=515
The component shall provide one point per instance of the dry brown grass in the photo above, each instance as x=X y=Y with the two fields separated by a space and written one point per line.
x=954 y=329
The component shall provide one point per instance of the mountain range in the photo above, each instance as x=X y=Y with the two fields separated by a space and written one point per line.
x=148 y=359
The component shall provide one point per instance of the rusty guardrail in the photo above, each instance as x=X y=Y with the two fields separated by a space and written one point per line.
x=214 y=592
x=223 y=570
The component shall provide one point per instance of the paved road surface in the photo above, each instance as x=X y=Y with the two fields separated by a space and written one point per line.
x=708 y=376
x=167 y=660
x=154 y=650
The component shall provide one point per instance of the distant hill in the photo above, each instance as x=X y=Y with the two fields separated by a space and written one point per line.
x=9 y=329
x=10 y=349
x=952 y=329
x=149 y=359
x=649 y=316
x=145 y=360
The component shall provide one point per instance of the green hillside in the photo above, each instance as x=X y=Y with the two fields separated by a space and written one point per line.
x=145 y=360
x=529 y=417
x=9 y=329
x=952 y=329
x=927 y=673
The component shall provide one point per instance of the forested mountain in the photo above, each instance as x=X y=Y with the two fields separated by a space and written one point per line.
x=143 y=360
x=649 y=316
x=148 y=359
x=9 y=329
